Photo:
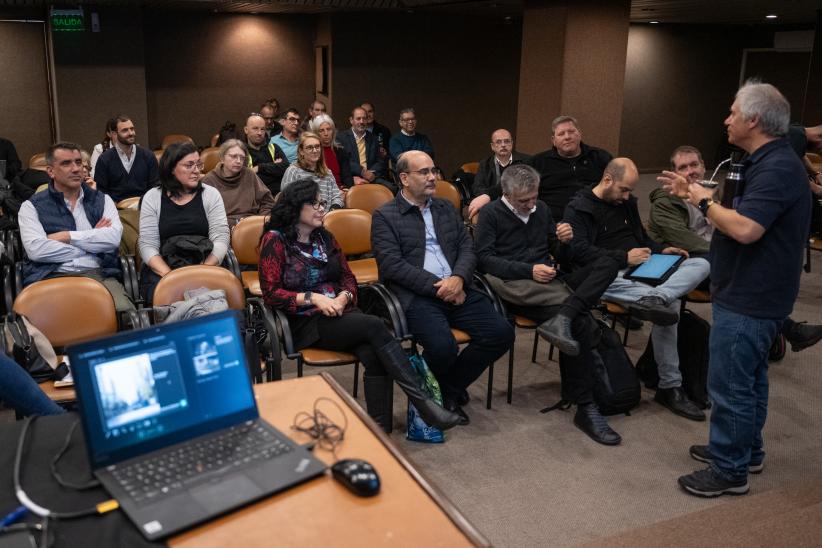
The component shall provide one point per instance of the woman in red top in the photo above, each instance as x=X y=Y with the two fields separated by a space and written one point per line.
x=336 y=159
x=304 y=273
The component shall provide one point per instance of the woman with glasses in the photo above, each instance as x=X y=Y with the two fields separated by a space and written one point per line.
x=243 y=192
x=311 y=165
x=335 y=156
x=304 y=273
x=182 y=222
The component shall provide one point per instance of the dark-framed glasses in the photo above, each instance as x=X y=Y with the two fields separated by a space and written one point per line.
x=319 y=204
x=426 y=171
x=191 y=166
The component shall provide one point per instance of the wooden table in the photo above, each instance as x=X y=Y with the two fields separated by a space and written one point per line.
x=407 y=511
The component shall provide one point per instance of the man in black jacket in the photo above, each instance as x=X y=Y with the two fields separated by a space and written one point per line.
x=606 y=221
x=517 y=244
x=487 y=181
x=364 y=159
x=426 y=257
x=570 y=165
x=268 y=161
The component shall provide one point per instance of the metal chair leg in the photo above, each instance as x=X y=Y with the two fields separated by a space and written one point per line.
x=490 y=386
x=627 y=328
x=534 y=351
x=510 y=375
x=300 y=365
x=356 y=378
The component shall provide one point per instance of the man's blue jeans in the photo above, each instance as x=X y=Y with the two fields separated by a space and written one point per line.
x=19 y=391
x=689 y=275
x=430 y=320
x=738 y=388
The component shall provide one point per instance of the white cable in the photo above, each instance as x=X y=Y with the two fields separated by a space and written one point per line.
x=31 y=505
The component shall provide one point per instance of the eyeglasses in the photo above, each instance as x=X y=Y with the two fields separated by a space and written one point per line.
x=239 y=156
x=319 y=204
x=408 y=119
x=426 y=171
x=312 y=148
x=293 y=119
x=191 y=166
x=503 y=142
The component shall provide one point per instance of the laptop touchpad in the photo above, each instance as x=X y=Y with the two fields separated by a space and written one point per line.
x=225 y=494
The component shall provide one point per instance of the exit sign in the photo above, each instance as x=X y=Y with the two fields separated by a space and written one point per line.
x=64 y=20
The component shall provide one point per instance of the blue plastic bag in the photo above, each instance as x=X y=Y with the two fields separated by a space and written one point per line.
x=418 y=430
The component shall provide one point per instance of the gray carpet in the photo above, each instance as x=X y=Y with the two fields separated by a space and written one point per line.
x=528 y=479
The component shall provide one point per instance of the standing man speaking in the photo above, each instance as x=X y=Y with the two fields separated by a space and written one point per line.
x=756 y=259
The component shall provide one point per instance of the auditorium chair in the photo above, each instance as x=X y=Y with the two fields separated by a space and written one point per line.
x=38 y=161
x=175 y=138
x=447 y=191
x=210 y=157
x=129 y=203
x=470 y=167
x=367 y=197
x=245 y=241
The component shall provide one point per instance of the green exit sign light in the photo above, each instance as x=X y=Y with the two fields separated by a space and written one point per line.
x=66 y=20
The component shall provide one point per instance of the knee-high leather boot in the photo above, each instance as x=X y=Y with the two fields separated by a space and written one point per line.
x=395 y=361
x=379 y=400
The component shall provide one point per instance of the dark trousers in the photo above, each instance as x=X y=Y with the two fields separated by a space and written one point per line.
x=355 y=332
x=430 y=320
x=589 y=282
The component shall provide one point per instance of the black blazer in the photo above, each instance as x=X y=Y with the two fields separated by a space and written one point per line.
x=375 y=162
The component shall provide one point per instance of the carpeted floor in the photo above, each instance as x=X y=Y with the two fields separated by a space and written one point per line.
x=528 y=479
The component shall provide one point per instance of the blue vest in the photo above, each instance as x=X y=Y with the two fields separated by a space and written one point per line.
x=55 y=217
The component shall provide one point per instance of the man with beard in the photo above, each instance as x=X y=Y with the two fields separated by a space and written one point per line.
x=126 y=169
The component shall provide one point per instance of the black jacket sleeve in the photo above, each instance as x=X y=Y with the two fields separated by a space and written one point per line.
x=487 y=254
x=583 y=245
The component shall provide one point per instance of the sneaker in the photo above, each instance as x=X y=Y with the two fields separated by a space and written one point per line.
x=557 y=331
x=676 y=400
x=803 y=335
x=707 y=483
x=702 y=453
x=653 y=309
x=590 y=420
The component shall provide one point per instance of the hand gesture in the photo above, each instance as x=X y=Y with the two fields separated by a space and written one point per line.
x=565 y=233
x=674 y=183
x=675 y=251
x=638 y=255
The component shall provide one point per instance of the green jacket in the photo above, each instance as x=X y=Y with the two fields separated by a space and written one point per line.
x=668 y=223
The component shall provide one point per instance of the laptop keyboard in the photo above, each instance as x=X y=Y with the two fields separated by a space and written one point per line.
x=163 y=475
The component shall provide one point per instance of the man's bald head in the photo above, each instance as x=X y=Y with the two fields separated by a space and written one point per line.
x=618 y=181
x=254 y=130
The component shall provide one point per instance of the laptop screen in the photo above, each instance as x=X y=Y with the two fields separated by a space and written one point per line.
x=146 y=389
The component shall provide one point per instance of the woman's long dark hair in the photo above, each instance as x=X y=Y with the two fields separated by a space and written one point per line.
x=286 y=212
x=171 y=157
x=111 y=125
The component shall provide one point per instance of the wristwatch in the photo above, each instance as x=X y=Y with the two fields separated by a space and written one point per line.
x=307 y=297
x=704 y=204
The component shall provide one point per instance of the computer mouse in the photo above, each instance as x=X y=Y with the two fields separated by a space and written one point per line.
x=358 y=476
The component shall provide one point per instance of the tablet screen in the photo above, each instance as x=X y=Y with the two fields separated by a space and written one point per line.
x=656 y=266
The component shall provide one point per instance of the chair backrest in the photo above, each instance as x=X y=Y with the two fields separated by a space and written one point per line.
x=470 y=167
x=129 y=203
x=351 y=228
x=447 y=191
x=38 y=161
x=367 y=197
x=245 y=239
x=210 y=157
x=42 y=188
x=158 y=154
x=175 y=138
x=68 y=310
x=173 y=285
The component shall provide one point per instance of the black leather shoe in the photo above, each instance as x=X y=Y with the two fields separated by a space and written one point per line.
x=452 y=406
x=557 y=331
x=802 y=335
x=653 y=309
x=676 y=400
x=590 y=420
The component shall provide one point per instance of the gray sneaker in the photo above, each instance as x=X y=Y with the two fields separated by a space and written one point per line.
x=706 y=483
x=702 y=453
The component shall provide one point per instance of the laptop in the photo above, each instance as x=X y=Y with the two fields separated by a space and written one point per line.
x=656 y=270
x=172 y=427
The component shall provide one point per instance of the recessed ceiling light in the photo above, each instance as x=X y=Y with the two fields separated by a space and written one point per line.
x=770 y=16
x=654 y=22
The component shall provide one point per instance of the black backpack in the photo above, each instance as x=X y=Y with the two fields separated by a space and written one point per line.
x=616 y=385
x=692 y=346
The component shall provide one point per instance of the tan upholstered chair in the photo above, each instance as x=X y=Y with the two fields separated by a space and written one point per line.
x=210 y=157
x=470 y=167
x=367 y=197
x=38 y=161
x=245 y=241
x=175 y=138
x=447 y=191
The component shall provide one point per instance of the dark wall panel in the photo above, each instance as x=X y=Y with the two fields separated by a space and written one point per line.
x=679 y=83
x=24 y=98
x=220 y=67
x=459 y=73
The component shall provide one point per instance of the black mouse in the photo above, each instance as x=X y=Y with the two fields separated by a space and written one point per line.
x=358 y=476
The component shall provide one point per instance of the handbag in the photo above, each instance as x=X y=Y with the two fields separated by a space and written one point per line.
x=31 y=349
x=417 y=429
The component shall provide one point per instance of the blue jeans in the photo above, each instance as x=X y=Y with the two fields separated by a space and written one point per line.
x=430 y=320
x=738 y=387
x=689 y=275
x=19 y=391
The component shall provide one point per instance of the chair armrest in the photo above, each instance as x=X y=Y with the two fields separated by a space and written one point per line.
x=230 y=262
x=8 y=287
x=284 y=330
x=271 y=345
x=486 y=288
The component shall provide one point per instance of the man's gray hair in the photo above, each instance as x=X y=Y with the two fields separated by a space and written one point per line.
x=768 y=104
x=685 y=149
x=408 y=110
x=519 y=177
x=561 y=120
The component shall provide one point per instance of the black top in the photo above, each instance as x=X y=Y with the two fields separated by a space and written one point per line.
x=9 y=154
x=616 y=231
x=761 y=279
x=176 y=220
x=561 y=178
x=269 y=172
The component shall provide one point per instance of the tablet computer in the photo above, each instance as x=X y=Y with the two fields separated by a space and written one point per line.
x=655 y=270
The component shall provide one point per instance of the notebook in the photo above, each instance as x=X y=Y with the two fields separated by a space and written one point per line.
x=172 y=427
x=656 y=270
